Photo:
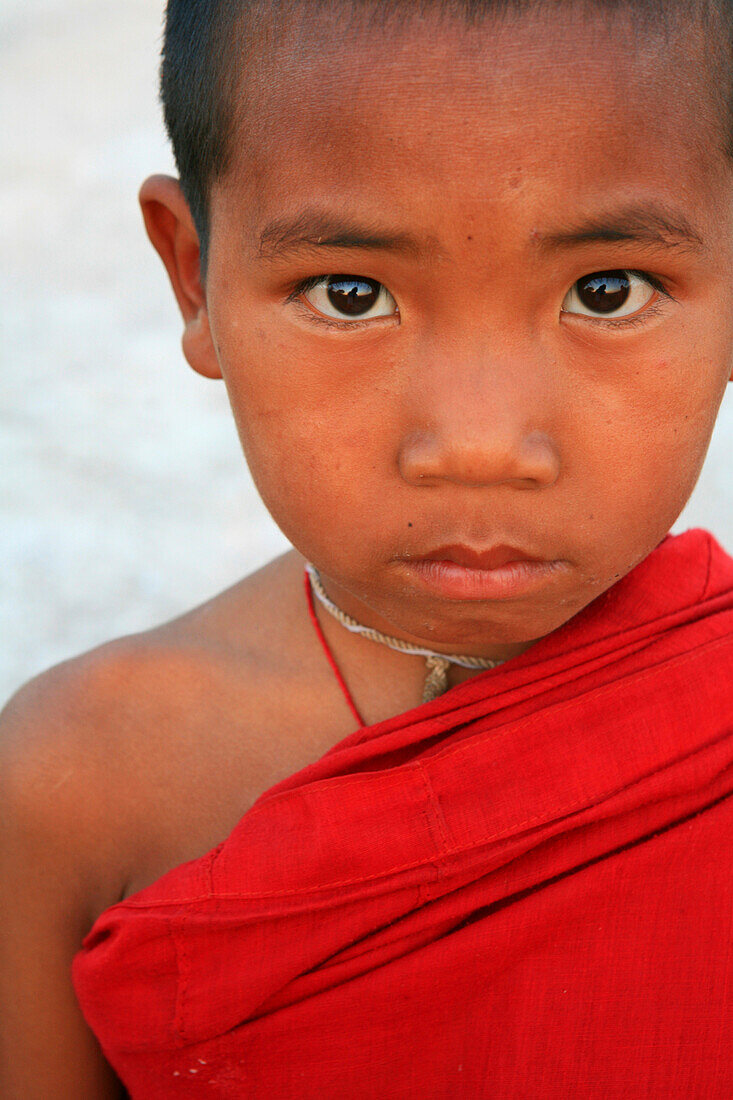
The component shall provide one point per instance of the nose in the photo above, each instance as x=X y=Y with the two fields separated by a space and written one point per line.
x=479 y=426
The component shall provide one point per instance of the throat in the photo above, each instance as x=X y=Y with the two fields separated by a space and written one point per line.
x=437 y=665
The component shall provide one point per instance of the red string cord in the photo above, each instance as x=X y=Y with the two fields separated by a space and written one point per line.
x=327 y=651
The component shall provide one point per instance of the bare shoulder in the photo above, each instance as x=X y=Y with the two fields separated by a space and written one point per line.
x=104 y=752
x=55 y=742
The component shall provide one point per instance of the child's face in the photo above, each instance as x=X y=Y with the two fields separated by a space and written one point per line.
x=481 y=401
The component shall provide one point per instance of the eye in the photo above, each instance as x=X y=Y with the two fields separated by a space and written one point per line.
x=349 y=296
x=609 y=294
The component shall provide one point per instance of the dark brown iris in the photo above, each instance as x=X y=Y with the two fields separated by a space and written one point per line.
x=352 y=296
x=604 y=291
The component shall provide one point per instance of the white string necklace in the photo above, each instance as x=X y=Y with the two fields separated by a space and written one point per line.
x=436 y=664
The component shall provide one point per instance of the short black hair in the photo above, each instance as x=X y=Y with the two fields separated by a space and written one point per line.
x=207 y=42
x=196 y=109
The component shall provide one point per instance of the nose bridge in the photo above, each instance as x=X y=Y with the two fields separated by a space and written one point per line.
x=481 y=418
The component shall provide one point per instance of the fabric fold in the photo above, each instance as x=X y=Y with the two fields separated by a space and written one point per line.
x=519 y=889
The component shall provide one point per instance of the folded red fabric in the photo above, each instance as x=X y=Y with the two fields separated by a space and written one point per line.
x=522 y=889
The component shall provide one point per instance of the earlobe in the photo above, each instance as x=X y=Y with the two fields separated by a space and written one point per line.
x=171 y=229
x=198 y=346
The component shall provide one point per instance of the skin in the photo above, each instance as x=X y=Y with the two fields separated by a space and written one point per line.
x=483 y=413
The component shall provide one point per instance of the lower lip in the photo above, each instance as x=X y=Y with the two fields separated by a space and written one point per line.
x=458 y=582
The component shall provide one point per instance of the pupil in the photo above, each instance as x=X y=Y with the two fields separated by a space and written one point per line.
x=352 y=296
x=604 y=292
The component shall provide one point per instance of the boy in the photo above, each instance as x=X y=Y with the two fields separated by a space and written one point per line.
x=465 y=270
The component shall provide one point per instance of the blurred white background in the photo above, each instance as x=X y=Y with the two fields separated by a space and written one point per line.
x=124 y=498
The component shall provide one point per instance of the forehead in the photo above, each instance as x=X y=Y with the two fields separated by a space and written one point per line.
x=522 y=116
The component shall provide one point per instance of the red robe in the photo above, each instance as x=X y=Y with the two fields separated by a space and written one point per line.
x=519 y=891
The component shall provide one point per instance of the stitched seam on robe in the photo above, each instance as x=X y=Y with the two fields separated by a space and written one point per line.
x=178 y=1008
x=638 y=638
x=177 y=931
x=532 y=721
x=609 y=690
x=554 y=814
x=708 y=571
x=615 y=688
x=436 y=817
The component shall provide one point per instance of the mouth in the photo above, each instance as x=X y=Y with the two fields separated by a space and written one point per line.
x=460 y=572
x=483 y=560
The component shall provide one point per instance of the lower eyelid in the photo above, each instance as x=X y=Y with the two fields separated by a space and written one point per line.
x=315 y=318
x=652 y=309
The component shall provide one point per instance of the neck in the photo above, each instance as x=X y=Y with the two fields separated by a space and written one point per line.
x=437 y=665
x=358 y=619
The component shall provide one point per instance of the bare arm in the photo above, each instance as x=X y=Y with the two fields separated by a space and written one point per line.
x=52 y=855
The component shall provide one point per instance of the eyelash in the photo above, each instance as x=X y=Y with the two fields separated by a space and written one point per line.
x=634 y=321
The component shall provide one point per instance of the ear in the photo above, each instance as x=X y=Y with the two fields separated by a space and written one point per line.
x=172 y=231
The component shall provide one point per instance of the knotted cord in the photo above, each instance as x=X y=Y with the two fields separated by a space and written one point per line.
x=436 y=664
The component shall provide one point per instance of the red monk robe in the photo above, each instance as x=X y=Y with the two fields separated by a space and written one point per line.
x=520 y=890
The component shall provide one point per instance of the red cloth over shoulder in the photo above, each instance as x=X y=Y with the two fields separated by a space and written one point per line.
x=522 y=889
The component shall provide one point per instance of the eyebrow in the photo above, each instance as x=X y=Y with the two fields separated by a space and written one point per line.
x=316 y=229
x=640 y=224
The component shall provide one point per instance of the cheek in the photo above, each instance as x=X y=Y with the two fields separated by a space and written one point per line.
x=304 y=407
x=308 y=456
x=656 y=439
x=682 y=416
